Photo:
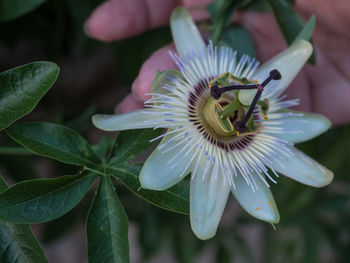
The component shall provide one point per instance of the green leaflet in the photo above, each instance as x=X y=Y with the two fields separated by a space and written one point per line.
x=21 y=89
x=221 y=12
x=238 y=38
x=308 y=29
x=42 y=200
x=17 y=242
x=175 y=199
x=130 y=144
x=107 y=227
x=54 y=141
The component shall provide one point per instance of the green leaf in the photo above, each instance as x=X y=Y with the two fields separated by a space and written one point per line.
x=42 y=200
x=221 y=12
x=107 y=227
x=19 y=245
x=308 y=29
x=291 y=24
x=17 y=242
x=256 y=5
x=11 y=9
x=175 y=199
x=54 y=141
x=238 y=38
x=21 y=89
x=102 y=148
x=130 y=144
x=288 y=20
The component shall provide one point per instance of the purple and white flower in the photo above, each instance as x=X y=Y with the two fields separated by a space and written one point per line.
x=221 y=161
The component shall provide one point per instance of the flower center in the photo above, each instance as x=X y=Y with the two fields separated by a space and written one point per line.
x=221 y=118
x=213 y=115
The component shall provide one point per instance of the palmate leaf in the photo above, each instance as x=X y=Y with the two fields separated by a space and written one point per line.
x=11 y=9
x=129 y=144
x=21 y=89
x=107 y=227
x=42 y=200
x=17 y=242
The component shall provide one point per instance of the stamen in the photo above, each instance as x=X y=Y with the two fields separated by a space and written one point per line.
x=216 y=91
x=274 y=75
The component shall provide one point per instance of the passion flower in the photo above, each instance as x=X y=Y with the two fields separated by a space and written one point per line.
x=227 y=124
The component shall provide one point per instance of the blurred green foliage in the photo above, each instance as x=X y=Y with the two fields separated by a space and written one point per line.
x=314 y=224
x=11 y=9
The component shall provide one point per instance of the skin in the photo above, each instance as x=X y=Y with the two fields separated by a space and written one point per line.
x=323 y=89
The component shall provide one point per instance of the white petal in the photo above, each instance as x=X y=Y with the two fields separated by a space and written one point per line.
x=302 y=128
x=156 y=173
x=208 y=198
x=133 y=120
x=185 y=33
x=260 y=203
x=288 y=63
x=303 y=169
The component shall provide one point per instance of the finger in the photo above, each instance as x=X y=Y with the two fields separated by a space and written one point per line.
x=118 y=19
x=334 y=17
x=267 y=38
x=128 y=104
x=159 y=60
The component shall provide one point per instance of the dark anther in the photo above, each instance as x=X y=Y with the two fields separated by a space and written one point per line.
x=275 y=74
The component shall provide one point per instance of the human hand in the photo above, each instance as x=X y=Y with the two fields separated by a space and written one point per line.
x=324 y=88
